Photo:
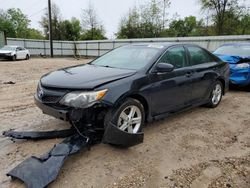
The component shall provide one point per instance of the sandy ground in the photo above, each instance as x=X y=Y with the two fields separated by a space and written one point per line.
x=199 y=148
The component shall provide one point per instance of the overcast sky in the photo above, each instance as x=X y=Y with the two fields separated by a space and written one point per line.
x=109 y=11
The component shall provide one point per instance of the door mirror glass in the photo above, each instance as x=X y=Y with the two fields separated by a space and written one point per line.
x=164 y=67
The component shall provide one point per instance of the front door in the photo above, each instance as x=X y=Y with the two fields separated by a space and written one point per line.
x=171 y=91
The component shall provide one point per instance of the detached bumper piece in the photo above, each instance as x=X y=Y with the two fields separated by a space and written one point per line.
x=39 y=135
x=38 y=172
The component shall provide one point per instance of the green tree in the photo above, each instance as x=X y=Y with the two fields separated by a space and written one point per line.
x=6 y=25
x=70 y=29
x=32 y=33
x=130 y=27
x=93 y=34
x=14 y=23
x=244 y=24
x=189 y=26
x=20 y=21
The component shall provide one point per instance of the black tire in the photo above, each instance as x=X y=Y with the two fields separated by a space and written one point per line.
x=27 y=57
x=14 y=58
x=114 y=114
x=214 y=103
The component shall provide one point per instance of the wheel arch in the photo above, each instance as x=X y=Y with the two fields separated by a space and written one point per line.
x=143 y=101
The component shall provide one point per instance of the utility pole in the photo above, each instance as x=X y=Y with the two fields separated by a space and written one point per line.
x=164 y=14
x=50 y=30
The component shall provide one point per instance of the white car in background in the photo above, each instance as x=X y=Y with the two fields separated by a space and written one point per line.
x=14 y=53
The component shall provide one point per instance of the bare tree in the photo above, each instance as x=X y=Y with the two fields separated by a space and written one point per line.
x=56 y=19
x=90 y=20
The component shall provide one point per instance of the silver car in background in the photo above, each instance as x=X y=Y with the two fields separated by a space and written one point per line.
x=14 y=53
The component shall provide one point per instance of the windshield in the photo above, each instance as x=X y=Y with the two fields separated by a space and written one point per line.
x=128 y=57
x=237 y=50
x=8 y=48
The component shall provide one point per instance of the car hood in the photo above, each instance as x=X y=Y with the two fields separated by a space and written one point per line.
x=86 y=77
x=233 y=59
x=5 y=51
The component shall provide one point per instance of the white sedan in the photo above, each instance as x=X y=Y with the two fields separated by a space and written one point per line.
x=14 y=52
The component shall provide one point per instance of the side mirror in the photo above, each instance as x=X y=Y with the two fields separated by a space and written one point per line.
x=164 y=67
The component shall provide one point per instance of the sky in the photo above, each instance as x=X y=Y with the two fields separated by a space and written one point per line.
x=109 y=11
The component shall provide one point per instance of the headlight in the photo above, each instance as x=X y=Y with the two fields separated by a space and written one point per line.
x=242 y=66
x=80 y=99
x=8 y=54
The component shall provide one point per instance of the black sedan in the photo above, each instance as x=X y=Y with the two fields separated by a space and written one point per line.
x=121 y=90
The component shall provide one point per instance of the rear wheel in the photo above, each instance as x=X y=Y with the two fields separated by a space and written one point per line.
x=216 y=95
x=27 y=57
x=128 y=117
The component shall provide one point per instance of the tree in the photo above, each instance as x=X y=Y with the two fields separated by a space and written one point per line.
x=70 y=29
x=189 y=26
x=145 y=22
x=14 y=23
x=32 y=33
x=220 y=10
x=130 y=27
x=92 y=27
x=55 y=18
x=244 y=24
x=6 y=25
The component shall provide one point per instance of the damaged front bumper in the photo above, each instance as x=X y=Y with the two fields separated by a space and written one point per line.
x=240 y=76
x=38 y=172
x=62 y=114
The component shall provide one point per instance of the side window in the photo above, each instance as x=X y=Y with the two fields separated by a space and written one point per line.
x=198 y=56
x=175 y=56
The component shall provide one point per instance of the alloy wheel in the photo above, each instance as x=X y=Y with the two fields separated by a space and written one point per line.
x=130 y=119
x=216 y=94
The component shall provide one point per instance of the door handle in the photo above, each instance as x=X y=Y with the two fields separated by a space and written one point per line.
x=189 y=74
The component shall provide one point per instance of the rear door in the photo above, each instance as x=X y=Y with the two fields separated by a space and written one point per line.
x=171 y=91
x=203 y=66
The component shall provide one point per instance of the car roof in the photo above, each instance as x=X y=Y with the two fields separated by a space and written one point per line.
x=237 y=44
x=163 y=44
x=12 y=46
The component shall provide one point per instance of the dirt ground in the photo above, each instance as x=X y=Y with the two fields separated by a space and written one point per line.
x=199 y=148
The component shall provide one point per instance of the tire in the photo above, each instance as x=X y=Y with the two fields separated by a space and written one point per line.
x=120 y=116
x=216 y=95
x=14 y=58
x=27 y=57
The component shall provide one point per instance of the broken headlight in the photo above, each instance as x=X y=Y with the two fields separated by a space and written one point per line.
x=82 y=99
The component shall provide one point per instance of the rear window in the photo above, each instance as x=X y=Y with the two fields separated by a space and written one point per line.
x=199 y=56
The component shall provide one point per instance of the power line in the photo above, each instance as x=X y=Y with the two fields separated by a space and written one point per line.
x=38 y=2
x=37 y=12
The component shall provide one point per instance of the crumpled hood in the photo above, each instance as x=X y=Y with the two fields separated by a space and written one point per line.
x=5 y=51
x=84 y=77
x=233 y=59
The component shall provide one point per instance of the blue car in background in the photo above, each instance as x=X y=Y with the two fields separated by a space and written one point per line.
x=238 y=57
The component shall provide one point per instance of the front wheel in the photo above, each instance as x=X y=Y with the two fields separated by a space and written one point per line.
x=216 y=95
x=14 y=58
x=128 y=117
